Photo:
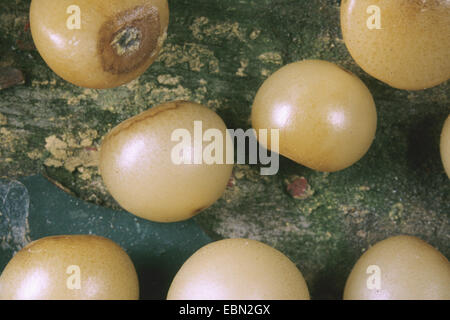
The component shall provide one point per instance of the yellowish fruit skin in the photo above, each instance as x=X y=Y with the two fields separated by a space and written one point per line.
x=238 y=269
x=445 y=146
x=326 y=116
x=74 y=54
x=410 y=269
x=40 y=271
x=137 y=168
x=410 y=51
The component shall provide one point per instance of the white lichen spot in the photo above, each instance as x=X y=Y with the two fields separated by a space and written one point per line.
x=34 y=154
x=197 y=25
x=89 y=93
x=396 y=212
x=3 y=120
x=50 y=162
x=82 y=158
x=168 y=79
x=226 y=30
x=265 y=72
x=158 y=94
x=86 y=175
x=56 y=147
x=255 y=34
x=361 y=233
x=73 y=151
x=244 y=65
x=70 y=140
x=195 y=56
x=271 y=57
x=71 y=101
x=133 y=85
x=200 y=93
x=87 y=137
x=214 y=104
x=214 y=66
x=9 y=139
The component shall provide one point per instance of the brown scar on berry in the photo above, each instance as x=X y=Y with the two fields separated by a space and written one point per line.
x=195 y=212
x=150 y=113
x=129 y=39
x=299 y=188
